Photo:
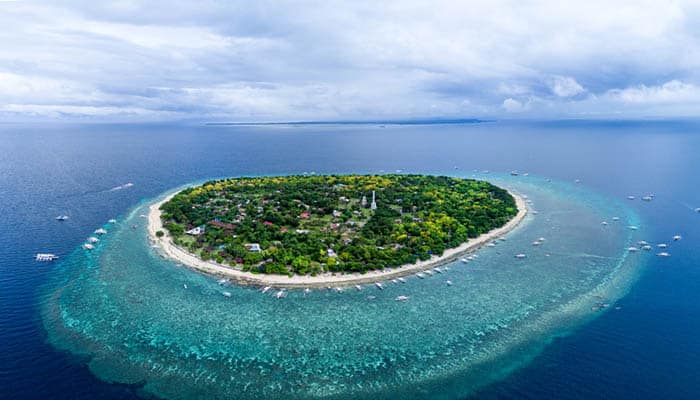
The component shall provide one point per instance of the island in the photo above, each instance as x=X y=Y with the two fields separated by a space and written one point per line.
x=312 y=230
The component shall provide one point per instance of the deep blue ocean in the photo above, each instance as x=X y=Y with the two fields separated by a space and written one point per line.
x=648 y=349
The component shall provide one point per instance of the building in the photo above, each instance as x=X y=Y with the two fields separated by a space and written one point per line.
x=220 y=224
x=254 y=247
x=373 y=205
x=196 y=231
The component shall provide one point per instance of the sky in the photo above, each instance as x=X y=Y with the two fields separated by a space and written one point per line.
x=353 y=60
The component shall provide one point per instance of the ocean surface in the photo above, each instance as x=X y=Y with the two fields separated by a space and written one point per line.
x=117 y=323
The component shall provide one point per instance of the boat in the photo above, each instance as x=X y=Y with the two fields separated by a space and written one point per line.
x=647 y=198
x=45 y=257
x=662 y=245
x=663 y=254
x=464 y=260
x=630 y=197
x=266 y=289
x=536 y=243
x=491 y=244
x=100 y=231
x=339 y=289
x=615 y=218
x=402 y=298
x=514 y=173
x=428 y=272
x=520 y=256
x=502 y=239
x=226 y=294
x=280 y=294
x=307 y=291
x=438 y=270
x=88 y=246
x=379 y=286
x=632 y=249
x=62 y=218
x=93 y=239
x=112 y=221
x=394 y=281
x=646 y=247
x=402 y=280
x=642 y=243
x=184 y=285
x=697 y=210
x=633 y=227
x=604 y=223
x=449 y=283
x=420 y=275
x=677 y=238
x=358 y=287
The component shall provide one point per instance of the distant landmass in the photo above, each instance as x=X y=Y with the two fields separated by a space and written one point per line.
x=374 y=122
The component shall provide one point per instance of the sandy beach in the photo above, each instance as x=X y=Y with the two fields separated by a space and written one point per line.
x=176 y=253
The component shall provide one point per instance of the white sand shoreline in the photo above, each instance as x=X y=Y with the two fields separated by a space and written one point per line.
x=176 y=253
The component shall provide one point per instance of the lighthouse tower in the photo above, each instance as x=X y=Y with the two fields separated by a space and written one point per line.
x=373 y=205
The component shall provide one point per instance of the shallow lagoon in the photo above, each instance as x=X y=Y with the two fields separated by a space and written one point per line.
x=125 y=308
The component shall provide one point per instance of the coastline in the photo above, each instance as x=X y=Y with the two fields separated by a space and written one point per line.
x=175 y=253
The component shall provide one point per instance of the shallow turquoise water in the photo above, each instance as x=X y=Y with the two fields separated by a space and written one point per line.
x=125 y=308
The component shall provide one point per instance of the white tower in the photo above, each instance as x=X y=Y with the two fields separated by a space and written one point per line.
x=373 y=205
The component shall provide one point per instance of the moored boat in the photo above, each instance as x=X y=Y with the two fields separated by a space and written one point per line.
x=45 y=257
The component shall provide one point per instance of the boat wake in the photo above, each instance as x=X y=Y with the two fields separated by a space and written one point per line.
x=121 y=187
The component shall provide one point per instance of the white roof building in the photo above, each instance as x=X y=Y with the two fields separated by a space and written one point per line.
x=199 y=230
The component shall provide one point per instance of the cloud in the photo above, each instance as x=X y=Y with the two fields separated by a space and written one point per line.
x=670 y=92
x=512 y=105
x=564 y=86
x=278 y=60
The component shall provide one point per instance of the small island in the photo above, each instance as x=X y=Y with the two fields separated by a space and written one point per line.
x=302 y=228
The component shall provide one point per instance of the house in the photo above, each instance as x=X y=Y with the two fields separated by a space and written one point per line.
x=304 y=215
x=254 y=247
x=196 y=231
x=223 y=225
x=330 y=253
x=268 y=223
x=337 y=213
